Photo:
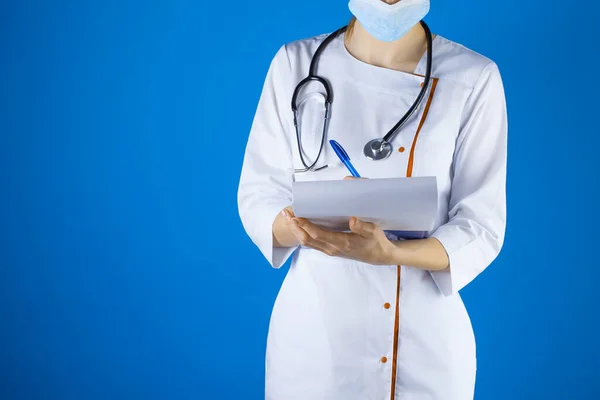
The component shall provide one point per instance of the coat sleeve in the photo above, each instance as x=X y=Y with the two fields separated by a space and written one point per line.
x=265 y=186
x=474 y=233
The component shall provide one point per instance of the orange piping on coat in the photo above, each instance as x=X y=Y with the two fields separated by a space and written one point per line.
x=409 y=170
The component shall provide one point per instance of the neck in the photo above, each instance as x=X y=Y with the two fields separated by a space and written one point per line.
x=403 y=54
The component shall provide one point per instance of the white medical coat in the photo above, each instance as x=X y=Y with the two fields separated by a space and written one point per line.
x=346 y=330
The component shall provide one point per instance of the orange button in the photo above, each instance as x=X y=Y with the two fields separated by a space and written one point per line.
x=384 y=359
x=401 y=149
x=386 y=305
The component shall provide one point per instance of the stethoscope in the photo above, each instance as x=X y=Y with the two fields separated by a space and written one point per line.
x=376 y=149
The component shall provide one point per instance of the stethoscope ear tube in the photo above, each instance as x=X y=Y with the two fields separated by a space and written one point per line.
x=303 y=82
x=317 y=55
x=328 y=99
x=323 y=136
x=390 y=135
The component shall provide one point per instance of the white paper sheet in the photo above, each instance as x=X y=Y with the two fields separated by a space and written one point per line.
x=399 y=205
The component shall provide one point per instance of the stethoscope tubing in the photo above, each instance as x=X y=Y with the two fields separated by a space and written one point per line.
x=313 y=77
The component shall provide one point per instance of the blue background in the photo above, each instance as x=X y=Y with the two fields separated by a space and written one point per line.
x=123 y=277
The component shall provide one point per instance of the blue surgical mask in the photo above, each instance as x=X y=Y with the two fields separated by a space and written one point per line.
x=388 y=22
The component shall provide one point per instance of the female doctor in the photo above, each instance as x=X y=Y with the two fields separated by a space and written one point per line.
x=363 y=315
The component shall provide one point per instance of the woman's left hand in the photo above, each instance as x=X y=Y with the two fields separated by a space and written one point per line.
x=367 y=242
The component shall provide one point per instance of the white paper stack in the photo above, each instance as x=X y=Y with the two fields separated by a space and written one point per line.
x=404 y=206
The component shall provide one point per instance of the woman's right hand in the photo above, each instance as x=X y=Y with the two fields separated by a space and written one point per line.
x=282 y=232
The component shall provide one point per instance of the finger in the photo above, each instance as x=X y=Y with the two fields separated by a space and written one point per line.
x=304 y=237
x=300 y=234
x=320 y=246
x=322 y=235
x=290 y=211
x=287 y=214
x=362 y=228
x=306 y=240
x=331 y=243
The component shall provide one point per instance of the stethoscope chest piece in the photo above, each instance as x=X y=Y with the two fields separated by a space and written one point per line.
x=377 y=149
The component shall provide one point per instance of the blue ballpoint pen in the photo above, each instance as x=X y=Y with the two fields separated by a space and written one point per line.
x=341 y=153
